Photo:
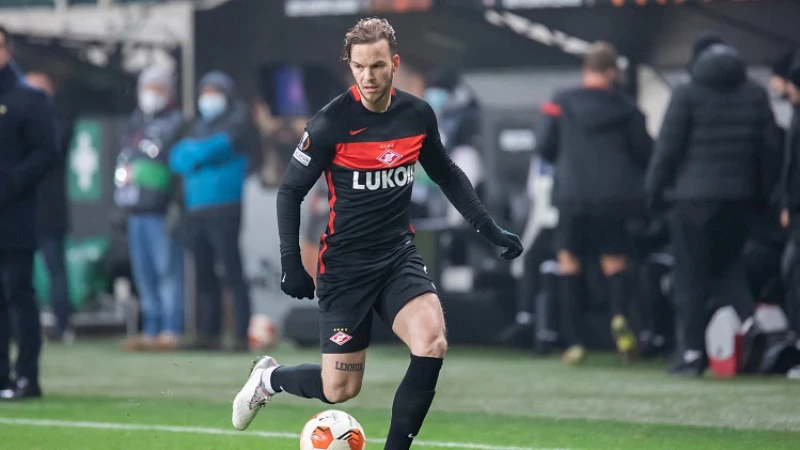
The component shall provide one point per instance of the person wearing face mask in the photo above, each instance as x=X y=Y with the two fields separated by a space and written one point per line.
x=145 y=191
x=213 y=160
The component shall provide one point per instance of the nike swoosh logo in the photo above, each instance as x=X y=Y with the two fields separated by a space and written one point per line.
x=355 y=132
x=284 y=278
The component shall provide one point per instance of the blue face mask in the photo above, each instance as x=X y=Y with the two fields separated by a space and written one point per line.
x=212 y=105
x=437 y=98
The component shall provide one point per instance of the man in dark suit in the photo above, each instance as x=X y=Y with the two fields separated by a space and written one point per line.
x=27 y=153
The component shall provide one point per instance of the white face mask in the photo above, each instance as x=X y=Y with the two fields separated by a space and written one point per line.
x=151 y=102
x=212 y=105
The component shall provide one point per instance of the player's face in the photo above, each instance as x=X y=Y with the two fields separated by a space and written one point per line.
x=373 y=67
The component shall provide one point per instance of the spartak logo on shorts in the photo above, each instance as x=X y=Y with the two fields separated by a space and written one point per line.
x=341 y=338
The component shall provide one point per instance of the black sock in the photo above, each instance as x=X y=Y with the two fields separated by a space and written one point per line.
x=303 y=381
x=412 y=401
x=618 y=293
x=570 y=293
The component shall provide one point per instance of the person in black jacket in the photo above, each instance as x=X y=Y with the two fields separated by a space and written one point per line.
x=597 y=140
x=790 y=214
x=52 y=216
x=27 y=153
x=720 y=147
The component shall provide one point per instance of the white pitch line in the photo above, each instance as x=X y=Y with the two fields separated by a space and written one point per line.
x=219 y=431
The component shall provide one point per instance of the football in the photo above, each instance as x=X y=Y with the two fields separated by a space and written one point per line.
x=333 y=430
x=262 y=334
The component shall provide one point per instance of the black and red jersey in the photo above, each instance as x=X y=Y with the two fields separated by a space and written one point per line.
x=368 y=160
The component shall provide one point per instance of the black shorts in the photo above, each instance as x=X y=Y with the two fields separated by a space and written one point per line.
x=347 y=301
x=586 y=235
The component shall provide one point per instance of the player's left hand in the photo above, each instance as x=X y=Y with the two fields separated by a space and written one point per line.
x=502 y=238
x=295 y=281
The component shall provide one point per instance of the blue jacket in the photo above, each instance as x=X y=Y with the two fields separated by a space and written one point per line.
x=213 y=171
x=212 y=159
x=28 y=151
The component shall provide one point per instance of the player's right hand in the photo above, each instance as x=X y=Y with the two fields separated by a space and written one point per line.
x=295 y=281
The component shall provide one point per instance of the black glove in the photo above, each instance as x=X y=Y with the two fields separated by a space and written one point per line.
x=295 y=281
x=502 y=238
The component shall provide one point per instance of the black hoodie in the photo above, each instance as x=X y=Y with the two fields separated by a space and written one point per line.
x=598 y=143
x=719 y=140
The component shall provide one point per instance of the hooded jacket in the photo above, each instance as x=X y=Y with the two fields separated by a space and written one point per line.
x=142 y=177
x=719 y=140
x=213 y=157
x=27 y=153
x=598 y=143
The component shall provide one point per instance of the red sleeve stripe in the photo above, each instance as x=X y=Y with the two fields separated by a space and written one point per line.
x=331 y=217
x=551 y=109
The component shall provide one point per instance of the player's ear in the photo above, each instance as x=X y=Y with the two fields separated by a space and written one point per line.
x=395 y=62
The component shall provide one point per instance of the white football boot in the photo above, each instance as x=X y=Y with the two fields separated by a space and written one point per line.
x=253 y=395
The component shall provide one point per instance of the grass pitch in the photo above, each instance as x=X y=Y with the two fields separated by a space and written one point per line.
x=97 y=397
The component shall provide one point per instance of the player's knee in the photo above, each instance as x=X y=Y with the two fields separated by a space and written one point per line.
x=432 y=346
x=341 y=392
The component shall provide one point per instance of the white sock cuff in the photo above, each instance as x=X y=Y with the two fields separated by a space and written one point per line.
x=266 y=378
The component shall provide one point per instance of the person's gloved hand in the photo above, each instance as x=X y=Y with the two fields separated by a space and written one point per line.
x=502 y=238
x=295 y=281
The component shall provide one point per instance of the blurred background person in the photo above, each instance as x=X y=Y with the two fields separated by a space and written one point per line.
x=790 y=214
x=279 y=137
x=779 y=85
x=768 y=241
x=213 y=160
x=717 y=128
x=598 y=143
x=52 y=218
x=459 y=117
x=779 y=82
x=28 y=153
x=146 y=192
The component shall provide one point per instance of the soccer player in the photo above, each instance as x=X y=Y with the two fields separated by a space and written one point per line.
x=367 y=142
